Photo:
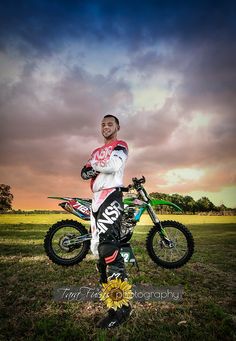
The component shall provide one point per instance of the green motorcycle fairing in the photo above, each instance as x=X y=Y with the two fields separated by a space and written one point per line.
x=153 y=202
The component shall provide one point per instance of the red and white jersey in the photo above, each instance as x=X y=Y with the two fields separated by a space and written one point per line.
x=109 y=160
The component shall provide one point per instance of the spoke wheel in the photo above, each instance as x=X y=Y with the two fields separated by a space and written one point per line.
x=175 y=249
x=61 y=245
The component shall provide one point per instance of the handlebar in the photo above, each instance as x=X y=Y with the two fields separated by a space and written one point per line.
x=140 y=181
x=136 y=184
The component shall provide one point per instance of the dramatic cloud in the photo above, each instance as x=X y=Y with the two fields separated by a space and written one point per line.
x=167 y=69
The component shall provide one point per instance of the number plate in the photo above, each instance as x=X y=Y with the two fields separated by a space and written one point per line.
x=127 y=253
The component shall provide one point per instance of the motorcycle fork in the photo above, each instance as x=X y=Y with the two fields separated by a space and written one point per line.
x=157 y=223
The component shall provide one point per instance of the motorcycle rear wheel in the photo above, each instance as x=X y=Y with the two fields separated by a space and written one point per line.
x=58 y=235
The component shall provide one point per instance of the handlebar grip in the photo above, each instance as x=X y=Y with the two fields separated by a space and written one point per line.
x=143 y=179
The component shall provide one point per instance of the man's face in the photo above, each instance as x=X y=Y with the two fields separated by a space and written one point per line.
x=109 y=128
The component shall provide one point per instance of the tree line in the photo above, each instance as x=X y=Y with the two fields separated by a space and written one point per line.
x=189 y=205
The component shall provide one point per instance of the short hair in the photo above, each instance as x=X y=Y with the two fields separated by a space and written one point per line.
x=116 y=119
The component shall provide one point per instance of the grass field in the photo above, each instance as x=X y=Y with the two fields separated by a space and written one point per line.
x=28 y=278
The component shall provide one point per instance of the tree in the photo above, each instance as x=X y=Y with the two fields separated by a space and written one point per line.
x=189 y=204
x=178 y=200
x=205 y=205
x=6 y=198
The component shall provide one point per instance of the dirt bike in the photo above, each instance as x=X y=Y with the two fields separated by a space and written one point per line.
x=169 y=243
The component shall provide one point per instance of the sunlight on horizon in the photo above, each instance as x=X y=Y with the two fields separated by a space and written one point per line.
x=179 y=176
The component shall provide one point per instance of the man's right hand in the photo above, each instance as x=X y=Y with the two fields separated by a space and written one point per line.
x=88 y=172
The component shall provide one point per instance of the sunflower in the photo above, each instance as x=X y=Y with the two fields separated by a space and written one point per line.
x=115 y=293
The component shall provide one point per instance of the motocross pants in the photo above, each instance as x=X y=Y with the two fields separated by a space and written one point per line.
x=108 y=223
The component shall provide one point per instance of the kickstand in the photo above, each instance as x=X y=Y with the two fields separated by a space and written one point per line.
x=135 y=263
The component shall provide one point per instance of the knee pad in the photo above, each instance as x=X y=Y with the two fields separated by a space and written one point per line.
x=108 y=252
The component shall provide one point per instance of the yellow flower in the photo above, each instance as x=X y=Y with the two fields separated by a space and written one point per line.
x=115 y=293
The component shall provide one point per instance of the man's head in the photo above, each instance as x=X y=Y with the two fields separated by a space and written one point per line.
x=110 y=126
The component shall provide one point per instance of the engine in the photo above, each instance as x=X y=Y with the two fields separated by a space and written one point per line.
x=128 y=221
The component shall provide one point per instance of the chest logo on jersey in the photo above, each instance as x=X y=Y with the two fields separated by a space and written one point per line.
x=103 y=154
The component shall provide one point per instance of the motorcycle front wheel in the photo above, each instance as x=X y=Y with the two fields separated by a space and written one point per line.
x=175 y=249
x=61 y=242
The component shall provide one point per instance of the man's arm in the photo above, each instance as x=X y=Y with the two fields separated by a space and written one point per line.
x=117 y=159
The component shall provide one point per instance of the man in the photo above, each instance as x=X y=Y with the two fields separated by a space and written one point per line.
x=105 y=168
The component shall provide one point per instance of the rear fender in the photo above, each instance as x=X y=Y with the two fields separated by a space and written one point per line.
x=61 y=198
x=77 y=206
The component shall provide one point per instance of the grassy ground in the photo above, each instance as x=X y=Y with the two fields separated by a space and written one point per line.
x=28 y=278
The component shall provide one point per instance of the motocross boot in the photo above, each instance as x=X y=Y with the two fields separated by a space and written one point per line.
x=115 y=318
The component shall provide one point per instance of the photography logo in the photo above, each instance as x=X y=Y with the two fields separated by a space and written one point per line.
x=139 y=293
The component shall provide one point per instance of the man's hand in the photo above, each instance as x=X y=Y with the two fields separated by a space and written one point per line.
x=88 y=172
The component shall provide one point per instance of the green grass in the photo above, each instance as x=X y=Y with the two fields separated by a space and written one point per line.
x=28 y=279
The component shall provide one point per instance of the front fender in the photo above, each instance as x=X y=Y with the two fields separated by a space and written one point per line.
x=157 y=202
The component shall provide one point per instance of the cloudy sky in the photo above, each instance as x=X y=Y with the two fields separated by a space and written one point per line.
x=167 y=69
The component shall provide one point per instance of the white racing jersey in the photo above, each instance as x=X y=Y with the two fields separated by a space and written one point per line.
x=109 y=160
